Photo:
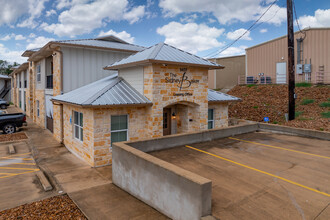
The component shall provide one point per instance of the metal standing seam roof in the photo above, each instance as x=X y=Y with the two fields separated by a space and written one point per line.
x=102 y=44
x=214 y=96
x=111 y=90
x=164 y=53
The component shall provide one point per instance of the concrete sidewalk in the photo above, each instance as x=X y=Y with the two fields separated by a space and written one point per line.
x=90 y=188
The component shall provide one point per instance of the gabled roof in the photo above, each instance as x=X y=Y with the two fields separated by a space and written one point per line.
x=214 y=96
x=20 y=68
x=163 y=53
x=105 y=43
x=111 y=90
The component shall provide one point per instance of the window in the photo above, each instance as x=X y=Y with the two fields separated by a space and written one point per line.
x=38 y=73
x=119 y=128
x=210 y=119
x=38 y=110
x=78 y=125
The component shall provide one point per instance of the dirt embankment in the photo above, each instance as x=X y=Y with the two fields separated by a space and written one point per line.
x=259 y=101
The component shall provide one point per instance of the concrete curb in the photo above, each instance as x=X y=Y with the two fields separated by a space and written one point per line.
x=11 y=149
x=44 y=181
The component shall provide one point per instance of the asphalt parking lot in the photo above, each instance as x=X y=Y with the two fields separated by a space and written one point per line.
x=261 y=175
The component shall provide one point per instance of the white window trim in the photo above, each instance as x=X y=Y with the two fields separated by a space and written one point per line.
x=38 y=73
x=211 y=120
x=116 y=131
x=81 y=139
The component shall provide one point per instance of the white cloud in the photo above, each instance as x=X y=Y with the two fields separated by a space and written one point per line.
x=7 y=37
x=32 y=35
x=11 y=56
x=20 y=37
x=264 y=30
x=226 y=11
x=191 y=37
x=85 y=16
x=188 y=18
x=321 y=18
x=236 y=34
x=233 y=51
x=68 y=3
x=135 y=14
x=10 y=11
x=35 y=8
x=122 y=35
x=39 y=42
x=50 y=13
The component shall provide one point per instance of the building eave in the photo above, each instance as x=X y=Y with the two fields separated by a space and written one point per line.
x=57 y=102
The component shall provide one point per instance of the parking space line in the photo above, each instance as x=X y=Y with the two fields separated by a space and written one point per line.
x=281 y=148
x=260 y=171
x=16 y=168
x=16 y=174
x=17 y=158
x=18 y=163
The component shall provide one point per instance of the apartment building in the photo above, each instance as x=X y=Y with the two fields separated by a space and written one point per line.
x=159 y=91
x=62 y=66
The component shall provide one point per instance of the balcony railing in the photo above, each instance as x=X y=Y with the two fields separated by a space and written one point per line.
x=49 y=82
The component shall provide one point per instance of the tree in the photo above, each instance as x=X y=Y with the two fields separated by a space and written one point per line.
x=5 y=67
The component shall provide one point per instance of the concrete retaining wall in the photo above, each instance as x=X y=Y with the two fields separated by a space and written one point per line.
x=176 y=192
x=296 y=131
x=162 y=143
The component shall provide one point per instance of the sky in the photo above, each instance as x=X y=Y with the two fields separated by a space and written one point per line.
x=201 y=27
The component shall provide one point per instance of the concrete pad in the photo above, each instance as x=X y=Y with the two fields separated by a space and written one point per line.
x=242 y=193
x=11 y=149
x=110 y=202
x=44 y=181
x=80 y=179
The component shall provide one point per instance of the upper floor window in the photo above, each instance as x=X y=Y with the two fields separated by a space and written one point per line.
x=119 y=128
x=38 y=73
x=210 y=119
x=78 y=125
x=38 y=109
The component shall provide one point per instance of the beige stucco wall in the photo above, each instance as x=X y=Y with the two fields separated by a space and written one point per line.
x=227 y=77
x=316 y=48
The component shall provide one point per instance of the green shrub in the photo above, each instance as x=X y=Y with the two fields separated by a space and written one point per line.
x=307 y=101
x=297 y=114
x=10 y=103
x=303 y=84
x=321 y=129
x=275 y=122
x=251 y=85
x=325 y=104
x=255 y=107
x=325 y=114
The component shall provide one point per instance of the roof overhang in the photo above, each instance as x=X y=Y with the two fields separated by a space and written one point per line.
x=22 y=67
x=224 y=101
x=151 y=61
x=59 y=102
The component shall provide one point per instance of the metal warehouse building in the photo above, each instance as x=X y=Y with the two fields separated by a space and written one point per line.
x=312 y=58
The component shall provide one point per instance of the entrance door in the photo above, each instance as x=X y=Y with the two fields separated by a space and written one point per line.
x=49 y=113
x=166 y=121
x=281 y=73
x=24 y=99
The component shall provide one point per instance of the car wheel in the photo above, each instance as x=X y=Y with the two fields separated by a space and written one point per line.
x=9 y=129
x=3 y=106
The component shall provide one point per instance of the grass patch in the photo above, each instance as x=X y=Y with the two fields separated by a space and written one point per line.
x=325 y=104
x=303 y=84
x=255 y=106
x=275 y=122
x=307 y=101
x=325 y=114
x=297 y=114
x=251 y=85
x=321 y=129
x=305 y=119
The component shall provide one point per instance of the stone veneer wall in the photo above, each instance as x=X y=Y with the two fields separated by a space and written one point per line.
x=27 y=104
x=220 y=114
x=57 y=90
x=161 y=94
x=40 y=96
x=137 y=122
x=83 y=149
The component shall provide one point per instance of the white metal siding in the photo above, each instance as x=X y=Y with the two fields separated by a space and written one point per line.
x=134 y=76
x=42 y=84
x=82 y=66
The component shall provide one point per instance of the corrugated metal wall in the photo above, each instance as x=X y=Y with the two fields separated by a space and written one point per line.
x=82 y=66
x=316 y=47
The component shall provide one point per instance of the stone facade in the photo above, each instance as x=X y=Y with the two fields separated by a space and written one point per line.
x=57 y=90
x=39 y=96
x=220 y=114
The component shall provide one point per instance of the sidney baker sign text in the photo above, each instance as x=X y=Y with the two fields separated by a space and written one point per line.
x=182 y=82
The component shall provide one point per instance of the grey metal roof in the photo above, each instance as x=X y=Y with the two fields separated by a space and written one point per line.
x=163 y=53
x=103 y=44
x=214 y=96
x=111 y=90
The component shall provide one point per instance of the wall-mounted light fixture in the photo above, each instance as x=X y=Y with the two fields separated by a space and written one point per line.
x=173 y=115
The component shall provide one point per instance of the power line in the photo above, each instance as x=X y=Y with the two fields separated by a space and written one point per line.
x=228 y=45
x=295 y=14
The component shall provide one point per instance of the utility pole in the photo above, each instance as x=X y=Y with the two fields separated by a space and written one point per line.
x=291 y=60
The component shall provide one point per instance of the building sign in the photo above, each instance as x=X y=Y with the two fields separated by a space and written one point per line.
x=182 y=82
